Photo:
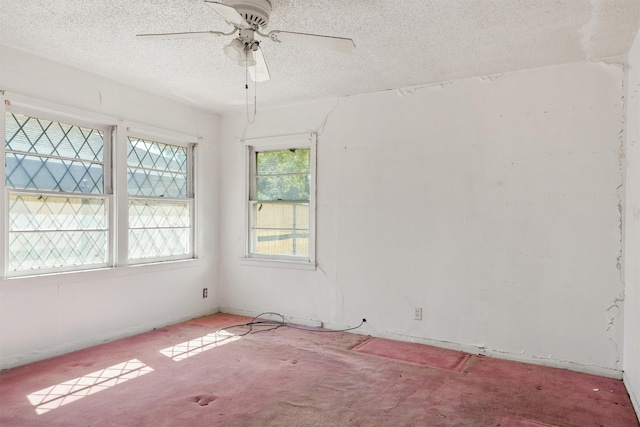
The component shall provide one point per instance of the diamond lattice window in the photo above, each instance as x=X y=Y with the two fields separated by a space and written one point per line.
x=58 y=213
x=156 y=170
x=50 y=232
x=160 y=207
x=52 y=156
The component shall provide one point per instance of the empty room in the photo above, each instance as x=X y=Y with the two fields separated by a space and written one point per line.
x=326 y=213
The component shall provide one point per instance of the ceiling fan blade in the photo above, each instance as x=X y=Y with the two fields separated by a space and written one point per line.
x=260 y=71
x=230 y=14
x=187 y=35
x=313 y=40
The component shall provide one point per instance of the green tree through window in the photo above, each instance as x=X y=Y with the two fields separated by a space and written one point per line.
x=283 y=175
x=280 y=210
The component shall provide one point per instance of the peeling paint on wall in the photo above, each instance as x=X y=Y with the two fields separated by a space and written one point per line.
x=490 y=78
x=320 y=129
x=613 y=311
x=412 y=90
x=613 y=314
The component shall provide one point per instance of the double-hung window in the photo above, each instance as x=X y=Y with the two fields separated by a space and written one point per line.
x=281 y=205
x=81 y=192
x=57 y=178
x=159 y=182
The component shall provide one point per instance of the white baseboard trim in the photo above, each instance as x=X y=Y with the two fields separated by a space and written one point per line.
x=467 y=348
x=46 y=353
x=501 y=354
x=632 y=395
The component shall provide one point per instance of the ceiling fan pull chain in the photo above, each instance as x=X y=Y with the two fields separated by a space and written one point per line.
x=246 y=91
x=255 y=100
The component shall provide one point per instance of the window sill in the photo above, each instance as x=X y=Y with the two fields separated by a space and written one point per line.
x=128 y=270
x=278 y=263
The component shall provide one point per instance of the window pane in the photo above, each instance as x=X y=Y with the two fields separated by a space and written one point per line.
x=52 y=213
x=281 y=215
x=51 y=249
x=51 y=231
x=38 y=136
x=154 y=155
x=159 y=228
x=156 y=170
x=141 y=182
x=288 y=187
x=284 y=161
x=281 y=242
x=158 y=214
x=158 y=242
x=47 y=173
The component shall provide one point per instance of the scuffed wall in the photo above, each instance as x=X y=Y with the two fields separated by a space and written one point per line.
x=491 y=203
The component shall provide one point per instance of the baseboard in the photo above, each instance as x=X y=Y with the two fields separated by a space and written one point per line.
x=500 y=354
x=632 y=395
x=557 y=363
x=41 y=354
x=467 y=348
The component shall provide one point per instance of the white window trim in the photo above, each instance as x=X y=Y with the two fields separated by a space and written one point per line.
x=19 y=104
x=63 y=269
x=306 y=140
x=169 y=138
x=4 y=205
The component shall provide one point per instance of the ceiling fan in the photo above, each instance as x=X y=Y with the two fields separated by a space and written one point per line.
x=250 y=17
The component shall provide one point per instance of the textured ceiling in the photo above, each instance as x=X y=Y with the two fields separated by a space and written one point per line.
x=399 y=44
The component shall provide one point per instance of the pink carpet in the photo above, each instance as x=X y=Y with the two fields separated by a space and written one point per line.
x=423 y=355
x=189 y=375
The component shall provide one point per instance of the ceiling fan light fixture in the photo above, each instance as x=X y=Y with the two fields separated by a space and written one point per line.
x=235 y=50
x=246 y=58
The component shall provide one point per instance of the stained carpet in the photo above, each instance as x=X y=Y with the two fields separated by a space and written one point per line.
x=193 y=374
x=423 y=355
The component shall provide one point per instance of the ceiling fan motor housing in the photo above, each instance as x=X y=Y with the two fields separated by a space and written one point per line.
x=253 y=11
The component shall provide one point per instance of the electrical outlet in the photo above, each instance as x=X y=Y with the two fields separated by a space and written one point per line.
x=417 y=313
x=205 y=292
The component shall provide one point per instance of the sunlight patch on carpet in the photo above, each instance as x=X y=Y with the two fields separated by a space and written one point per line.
x=53 y=397
x=414 y=353
x=190 y=348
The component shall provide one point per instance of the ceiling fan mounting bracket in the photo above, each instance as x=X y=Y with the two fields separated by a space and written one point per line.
x=255 y=12
x=246 y=36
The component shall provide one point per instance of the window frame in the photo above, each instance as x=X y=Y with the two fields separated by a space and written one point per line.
x=278 y=143
x=172 y=139
x=72 y=117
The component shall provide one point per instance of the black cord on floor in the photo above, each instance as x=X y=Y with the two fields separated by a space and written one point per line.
x=325 y=330
x=275 y=324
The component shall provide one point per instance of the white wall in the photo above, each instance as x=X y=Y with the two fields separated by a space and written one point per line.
x=631 y=357
x=491 y=203
x=49 y=315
